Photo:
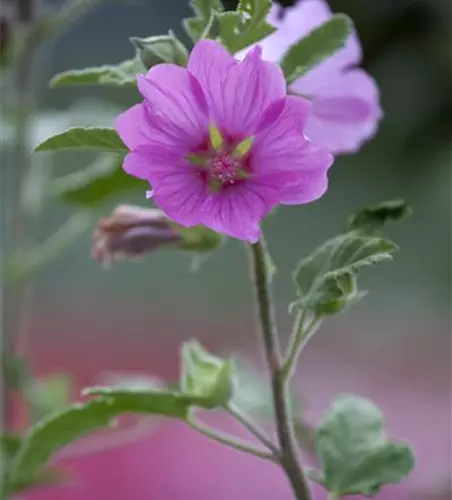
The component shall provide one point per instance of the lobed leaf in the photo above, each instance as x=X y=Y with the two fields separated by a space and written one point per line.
x=317 y=46
x=160 y=49
x=356 y=455
x=118 y=75
x=105 y=139
x=245 y=26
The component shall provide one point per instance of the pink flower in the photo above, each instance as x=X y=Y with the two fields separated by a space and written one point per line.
x=345 y=99
x=221 y=143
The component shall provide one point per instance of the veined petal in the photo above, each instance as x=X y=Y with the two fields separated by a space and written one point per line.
x=134 y=127
x=152 y=162
x=346 y=113
x=238 y=210
x=175 y=104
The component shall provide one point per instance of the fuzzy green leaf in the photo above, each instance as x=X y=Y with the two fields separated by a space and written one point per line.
x=246 y=25
x=103 y=179
x=317 y=46
x=326 y=280
x=59 y=429
x=357 y=457
x=206 y=12
x=160 y=49
x=117 y=75
x=105 y=139
x=370 y=220
x=206 y=376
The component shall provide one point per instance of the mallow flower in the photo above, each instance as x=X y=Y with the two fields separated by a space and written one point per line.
x=221 y=142
x=345 y=99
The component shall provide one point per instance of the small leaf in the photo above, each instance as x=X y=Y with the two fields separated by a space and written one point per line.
x=160 y=49
x=206 y=376
x=326 y=279
x=246 y=26
x=317 y=46
x=356 y=455
x=370 y=220
x=9 y=445
x=105 y=139
x=200 y=26
x=103 y=179
x=198 y=238
x=117 y=75
x=58 y=430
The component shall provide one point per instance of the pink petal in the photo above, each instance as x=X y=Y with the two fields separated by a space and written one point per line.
x=133 y=126
x=175 y=105
x=237 y=93
x=346 y=112
x=237 y=210
x=152 y=162
x=283 y=158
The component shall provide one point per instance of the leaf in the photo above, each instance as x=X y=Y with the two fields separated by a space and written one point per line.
x=118 y=75
x=105 y=139
x=198 y=27
x=326 y=280
x=317 y=46
x=160 y=49
x=56 y=431
x=206 y=376
x=370 y=220
x=103 y=179
x=9 y=444
x=356 y=455
x=245 y=26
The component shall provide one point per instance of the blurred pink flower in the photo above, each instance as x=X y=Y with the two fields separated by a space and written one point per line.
x=221 y=143
x=345 y=99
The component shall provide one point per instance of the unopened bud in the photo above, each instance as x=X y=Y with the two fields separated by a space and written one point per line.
x=131 y=232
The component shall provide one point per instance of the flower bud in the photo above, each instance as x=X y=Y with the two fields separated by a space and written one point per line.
x=131 y=232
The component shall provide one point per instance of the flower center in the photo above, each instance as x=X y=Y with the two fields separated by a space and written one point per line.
x=225 y=168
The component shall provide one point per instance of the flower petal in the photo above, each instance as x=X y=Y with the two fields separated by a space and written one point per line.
x=237 y=210
x=134 y=127
x=237 y=93
x=282 y=157
x=152 y=162
x=345 y=113
x=175 y=105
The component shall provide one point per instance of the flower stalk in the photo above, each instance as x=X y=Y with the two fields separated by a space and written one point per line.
x=288 y=450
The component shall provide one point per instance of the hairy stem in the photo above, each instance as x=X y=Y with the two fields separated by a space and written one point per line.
x=288 y=449
x=254 y=429
x=301 y=335
x=228 y=440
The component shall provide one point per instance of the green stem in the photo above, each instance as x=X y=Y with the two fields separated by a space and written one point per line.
x=228 y=440
x=253 y=428
x=288 y=449
x=298 y=340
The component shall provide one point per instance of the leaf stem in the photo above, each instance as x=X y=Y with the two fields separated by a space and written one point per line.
x=252 y=427
x=298 y=340
x=228 y=440
x=284 y=426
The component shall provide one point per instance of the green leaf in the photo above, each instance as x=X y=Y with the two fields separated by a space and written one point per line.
x=59 y=429
x=205 y=376
x=9 y=445
x=117 y=75
x=245 y=26
x=160 y=49
x=206 y=13
x=326 y=280
x=317 y=46
x=198 y=238
x=105 y=139
x=103 y=179
x=370 y=220
x=356 y=455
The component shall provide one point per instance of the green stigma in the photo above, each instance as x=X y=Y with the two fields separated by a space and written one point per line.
x=242 y=148
x=215 y=137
